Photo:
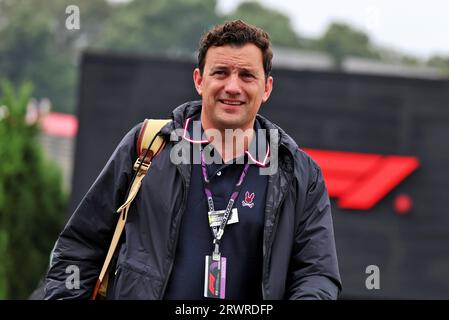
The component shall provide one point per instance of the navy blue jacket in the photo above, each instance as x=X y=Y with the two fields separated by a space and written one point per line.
x=299 y=255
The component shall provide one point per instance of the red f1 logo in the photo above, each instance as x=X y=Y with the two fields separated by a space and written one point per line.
x=360 y=180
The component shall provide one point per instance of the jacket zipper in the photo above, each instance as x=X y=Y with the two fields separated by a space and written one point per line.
x=270 y=243
x=181 y=212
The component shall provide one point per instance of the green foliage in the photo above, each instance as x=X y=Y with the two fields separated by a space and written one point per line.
x=159 y=26
x=36 y=46
x=341 y=40
x=441 y=63
x=29 y=52
x=277 y=24
x=31 y=199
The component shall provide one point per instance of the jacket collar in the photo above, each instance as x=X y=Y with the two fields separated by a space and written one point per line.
x=193 y=133
x=189 y=109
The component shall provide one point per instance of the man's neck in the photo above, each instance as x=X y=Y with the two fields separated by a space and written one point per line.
x=233 y=142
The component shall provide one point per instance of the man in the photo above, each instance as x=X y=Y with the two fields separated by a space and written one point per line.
x=214 y=229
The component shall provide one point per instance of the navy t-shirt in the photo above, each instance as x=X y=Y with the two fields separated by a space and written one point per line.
x=241 y=243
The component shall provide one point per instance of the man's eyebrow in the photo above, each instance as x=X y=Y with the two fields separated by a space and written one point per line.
x=245 y=69
x=240 y=69
x=219 y=67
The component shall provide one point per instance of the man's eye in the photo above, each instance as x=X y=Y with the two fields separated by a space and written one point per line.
x=218 y=72
x=248 y=75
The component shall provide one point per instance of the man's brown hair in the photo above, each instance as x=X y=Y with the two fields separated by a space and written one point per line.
x=236 y=33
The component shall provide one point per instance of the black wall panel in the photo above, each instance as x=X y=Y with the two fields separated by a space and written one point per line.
x=336 y=111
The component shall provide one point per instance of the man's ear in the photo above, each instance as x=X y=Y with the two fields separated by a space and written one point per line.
x=268 y=89
x=198 y=80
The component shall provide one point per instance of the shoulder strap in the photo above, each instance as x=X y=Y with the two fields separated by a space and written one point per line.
x=149 y=144
x=148 y=132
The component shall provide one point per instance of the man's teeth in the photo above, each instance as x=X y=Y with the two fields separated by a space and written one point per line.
x=232 y=102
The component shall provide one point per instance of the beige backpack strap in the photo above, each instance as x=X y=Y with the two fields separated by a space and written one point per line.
x=148 y=138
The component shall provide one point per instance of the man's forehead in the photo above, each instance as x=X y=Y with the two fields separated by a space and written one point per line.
x=247 y=56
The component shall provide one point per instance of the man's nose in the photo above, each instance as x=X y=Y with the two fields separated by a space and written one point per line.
x=232 y=86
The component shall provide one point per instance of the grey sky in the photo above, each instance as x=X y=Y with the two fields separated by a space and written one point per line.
x=415 y=27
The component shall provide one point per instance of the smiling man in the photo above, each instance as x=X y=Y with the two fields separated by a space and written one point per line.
x=210 y=229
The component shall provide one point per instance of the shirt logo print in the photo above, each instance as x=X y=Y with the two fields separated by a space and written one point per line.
x=248 y=202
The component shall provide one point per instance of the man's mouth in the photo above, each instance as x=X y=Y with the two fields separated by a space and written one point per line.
x=231 y=102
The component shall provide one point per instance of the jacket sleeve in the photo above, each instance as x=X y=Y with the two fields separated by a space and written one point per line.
x=314 y=272
x=80 y=250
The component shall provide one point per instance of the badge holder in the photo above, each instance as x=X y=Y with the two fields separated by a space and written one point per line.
x=215 y=275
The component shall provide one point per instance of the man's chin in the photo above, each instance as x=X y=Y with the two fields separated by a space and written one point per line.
x=229 y=123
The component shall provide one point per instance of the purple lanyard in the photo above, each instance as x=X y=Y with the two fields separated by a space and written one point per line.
x=218 y=234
